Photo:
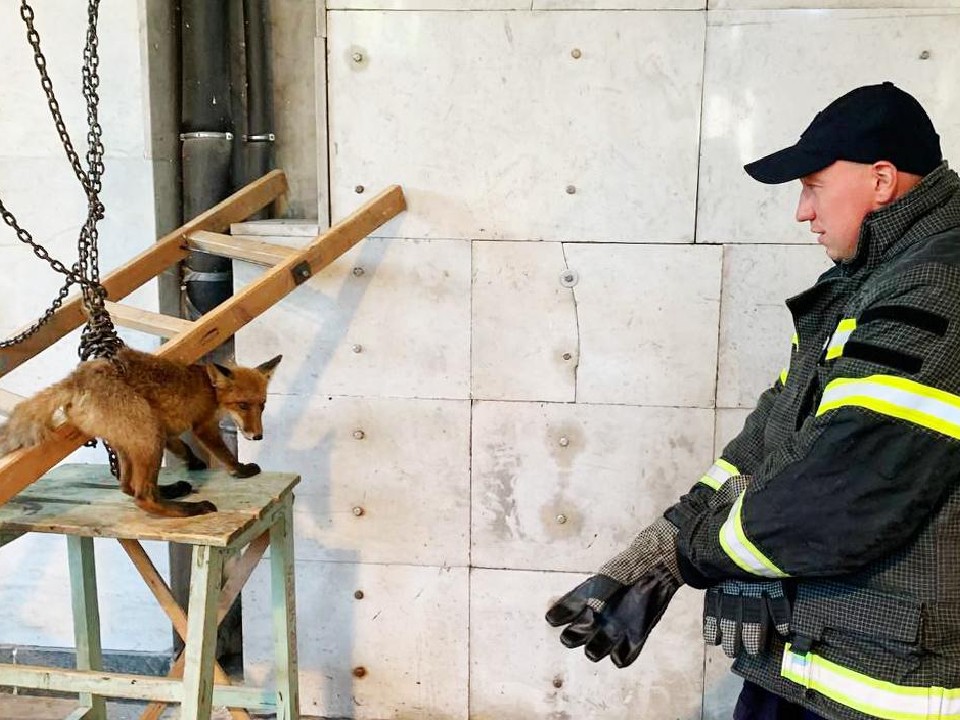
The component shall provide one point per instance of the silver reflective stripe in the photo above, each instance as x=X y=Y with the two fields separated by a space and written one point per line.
x=840 y=337
x=876 y=698
x=738 y=547
x=719 y=473
x=896 y=397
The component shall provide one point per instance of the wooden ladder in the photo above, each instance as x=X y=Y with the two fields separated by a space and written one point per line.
x=190 y=340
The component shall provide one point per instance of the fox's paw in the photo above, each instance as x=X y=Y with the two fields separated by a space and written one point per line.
x=195 y=463
x=175 y=490
x=245 y=470
x=202 y=508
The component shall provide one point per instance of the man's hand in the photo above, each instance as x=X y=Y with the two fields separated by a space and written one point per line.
x=579 y=609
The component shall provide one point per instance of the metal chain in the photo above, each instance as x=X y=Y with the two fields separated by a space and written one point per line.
x=99 y=336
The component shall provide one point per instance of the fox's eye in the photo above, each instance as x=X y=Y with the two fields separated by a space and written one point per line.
x=243 y=406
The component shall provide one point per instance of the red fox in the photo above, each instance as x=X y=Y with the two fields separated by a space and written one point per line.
x=144 y=406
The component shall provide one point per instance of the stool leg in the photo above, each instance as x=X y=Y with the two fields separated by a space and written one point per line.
x=284 y=615
x=86 y=617
x=201 y=639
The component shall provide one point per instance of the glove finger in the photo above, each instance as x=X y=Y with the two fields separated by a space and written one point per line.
x=711 y=612
x=754 y=625
x=731 y=620
x=602 y=642
x=567 y=608
x=628 y=649
x=580 y=630
x=779 y=609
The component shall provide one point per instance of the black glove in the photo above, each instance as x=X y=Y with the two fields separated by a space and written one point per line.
x=624 y=625
x=580 y=608
x=740 y=615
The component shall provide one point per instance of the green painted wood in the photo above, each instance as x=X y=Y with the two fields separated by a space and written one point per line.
x=201 y=644
x=283 y=592
x=133 y=687
x=86 y=616
x=86 y=500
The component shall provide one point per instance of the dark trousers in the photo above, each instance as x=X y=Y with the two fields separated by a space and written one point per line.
x=755 y=703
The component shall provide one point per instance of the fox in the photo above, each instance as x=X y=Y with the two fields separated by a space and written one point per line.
x=140 y=404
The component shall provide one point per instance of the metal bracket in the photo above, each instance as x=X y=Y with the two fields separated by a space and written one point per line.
x=301 y=272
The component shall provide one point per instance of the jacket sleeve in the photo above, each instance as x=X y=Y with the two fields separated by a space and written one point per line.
x=864 y=473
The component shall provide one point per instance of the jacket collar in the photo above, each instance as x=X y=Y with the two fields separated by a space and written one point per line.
x=918 y=214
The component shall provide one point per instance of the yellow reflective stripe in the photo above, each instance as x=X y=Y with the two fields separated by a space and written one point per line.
x=877 y=698
x=896 y=397
x=795 y=340
x=719 y=473
x=738 y=547
x=783 y=376
x=840 y=337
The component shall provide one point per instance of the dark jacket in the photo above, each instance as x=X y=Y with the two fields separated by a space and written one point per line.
x=855 y=458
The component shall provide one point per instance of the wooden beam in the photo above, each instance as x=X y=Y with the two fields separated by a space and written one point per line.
x=146 y=321
x=8 y=401
x=239 y=247
x=22 y=467
x=169 y=249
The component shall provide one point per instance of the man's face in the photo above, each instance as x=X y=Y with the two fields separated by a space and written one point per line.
x=835 y=201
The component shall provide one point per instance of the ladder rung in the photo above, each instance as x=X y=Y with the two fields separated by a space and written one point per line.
x=239 y=247
x=146 y=321
x=8 y=400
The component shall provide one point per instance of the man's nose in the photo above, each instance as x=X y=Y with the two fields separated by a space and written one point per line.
x=805 y=211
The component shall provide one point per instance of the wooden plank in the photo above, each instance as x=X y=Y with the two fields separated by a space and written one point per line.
x=126 y=685
x=8 y=401
x=146 y=321
x=283 y=593
x=239 y=247
x=169 y=249
x=201 y=641
x=20 y=468
x=77 y=500
x=86 y=616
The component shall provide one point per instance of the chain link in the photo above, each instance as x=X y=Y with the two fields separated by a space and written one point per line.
x=99 y=336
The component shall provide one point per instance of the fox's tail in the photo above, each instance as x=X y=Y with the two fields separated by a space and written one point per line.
x=33 y=421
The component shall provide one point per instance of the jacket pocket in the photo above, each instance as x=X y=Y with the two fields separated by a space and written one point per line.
x=857 y=611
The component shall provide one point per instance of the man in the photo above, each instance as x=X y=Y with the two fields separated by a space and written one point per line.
x=828 y=532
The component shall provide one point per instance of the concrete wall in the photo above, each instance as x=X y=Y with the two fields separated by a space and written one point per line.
x=504 y=428
x=578 y=309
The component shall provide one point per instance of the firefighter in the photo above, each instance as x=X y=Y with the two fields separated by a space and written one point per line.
x=827 y=534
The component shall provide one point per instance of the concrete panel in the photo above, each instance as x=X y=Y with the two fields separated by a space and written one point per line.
x=751 y=108
x=755 y=325
x=647 y=317
x=496 y=131
x=619 y=4
x=26 y=128
x=35 y=595
x=830 y=4
x=401 y=327
x=525 y=344
x=408 y=632
x=404 y=463
x=565 y=487
x=518 y=683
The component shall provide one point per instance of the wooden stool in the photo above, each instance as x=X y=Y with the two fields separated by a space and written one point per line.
x=84 y=502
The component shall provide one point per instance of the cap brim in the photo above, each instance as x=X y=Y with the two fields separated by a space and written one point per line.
x=788 y=164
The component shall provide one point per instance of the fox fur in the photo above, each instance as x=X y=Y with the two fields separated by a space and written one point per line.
x=141 y=405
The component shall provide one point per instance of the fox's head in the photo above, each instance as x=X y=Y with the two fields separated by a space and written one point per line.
x=242 y=394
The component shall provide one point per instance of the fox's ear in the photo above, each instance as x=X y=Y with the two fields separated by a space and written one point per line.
x=218 y=373
x=269 y=366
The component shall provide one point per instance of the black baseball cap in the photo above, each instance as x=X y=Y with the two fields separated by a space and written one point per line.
x=871 y=123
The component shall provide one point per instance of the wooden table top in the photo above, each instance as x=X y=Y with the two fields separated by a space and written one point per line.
x=86 y=500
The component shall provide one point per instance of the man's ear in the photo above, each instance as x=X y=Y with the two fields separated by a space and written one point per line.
x=218 y=374
x=884 y=182
x=267 y=368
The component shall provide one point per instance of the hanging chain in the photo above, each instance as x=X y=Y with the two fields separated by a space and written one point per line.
x=99 y=337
